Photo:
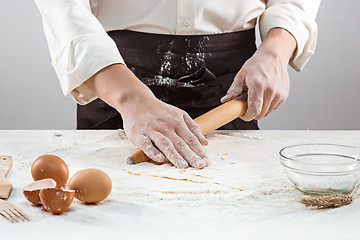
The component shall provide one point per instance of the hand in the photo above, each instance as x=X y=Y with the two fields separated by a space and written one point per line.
x=265 y=76
x=160 y=130
x=163 y=131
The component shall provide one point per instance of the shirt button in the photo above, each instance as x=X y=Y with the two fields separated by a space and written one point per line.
x=187 y=23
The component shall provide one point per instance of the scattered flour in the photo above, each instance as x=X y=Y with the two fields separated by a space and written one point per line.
x=192 y=61
x=242 y=191
x=165 y=67
x=122 y=134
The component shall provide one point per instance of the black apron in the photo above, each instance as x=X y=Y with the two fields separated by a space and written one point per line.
x=190 y=72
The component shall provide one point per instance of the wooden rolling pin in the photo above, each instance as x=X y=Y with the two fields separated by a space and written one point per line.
x=208 y=122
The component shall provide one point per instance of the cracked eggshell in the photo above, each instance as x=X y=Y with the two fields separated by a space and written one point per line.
x=50 y=166
x=56 y=200
x=90 y=185
x=32 y=191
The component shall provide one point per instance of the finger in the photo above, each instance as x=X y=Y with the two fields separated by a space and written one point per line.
x=255 y=102
x=273 y=105
x=193 y=159
x=195 y=129
x=236 y=87
x=167 y=148
x=193 y=144
x=145 y=144
x=231 y=94
x=271 y=108
x=279 y=104
x=267 y=101
x=282 y=100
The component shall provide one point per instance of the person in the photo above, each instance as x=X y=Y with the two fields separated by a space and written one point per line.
x=150 y=67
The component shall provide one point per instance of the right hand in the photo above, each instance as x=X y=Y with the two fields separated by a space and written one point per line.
x=160 y=130
x=163 y=131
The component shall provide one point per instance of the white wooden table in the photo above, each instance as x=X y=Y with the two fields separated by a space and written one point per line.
x=244 y=194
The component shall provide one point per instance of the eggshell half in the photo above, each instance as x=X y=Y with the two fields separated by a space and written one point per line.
x=91 y=185
x=56 y=200
x=32 y=191
x=50 y=166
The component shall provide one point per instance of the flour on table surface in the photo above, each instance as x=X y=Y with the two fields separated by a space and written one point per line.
x=244 y=184
x=235 y=176
x=233 y=134
x=122 y=134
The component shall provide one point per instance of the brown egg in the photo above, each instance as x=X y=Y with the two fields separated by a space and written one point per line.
x=91 y=185
x=56 y=200
x=50 y=166
x=32 y=191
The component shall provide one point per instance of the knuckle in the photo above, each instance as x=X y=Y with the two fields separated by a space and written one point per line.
x=180 y=144
x=254 y=94
x=178 y=125
x=202 y=155
x=254 y=106
x=134 y=130
x=176 y=159
x=192 y=141
x=163 y=142
x=252 y=113
x=152 y=124
x=145 y=140
x=141 y=141
x=270 y=89
x=186 y=117
x=257 y=83
x=172 y=155
x=281 y=96
x=278 y=95
x=162 y=125
x=150 y=153
x=195 y=129
x=170 y=123
x=147 y=148
x=257 y=111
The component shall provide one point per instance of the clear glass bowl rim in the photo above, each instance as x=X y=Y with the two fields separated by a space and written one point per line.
x=282 y=157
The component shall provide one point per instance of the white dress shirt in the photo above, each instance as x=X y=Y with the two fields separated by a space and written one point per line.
x=80 y=47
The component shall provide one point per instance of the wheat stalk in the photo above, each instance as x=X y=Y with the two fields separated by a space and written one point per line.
x=329 y=201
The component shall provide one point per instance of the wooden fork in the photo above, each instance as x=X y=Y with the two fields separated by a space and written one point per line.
x=8 y=210
x=11 y=212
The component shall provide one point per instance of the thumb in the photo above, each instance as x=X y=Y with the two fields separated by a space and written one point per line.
x=236 y=87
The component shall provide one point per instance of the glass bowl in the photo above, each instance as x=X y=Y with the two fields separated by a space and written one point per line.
x=322 y=168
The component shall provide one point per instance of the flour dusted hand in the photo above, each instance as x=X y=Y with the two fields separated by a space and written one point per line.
x=265 y=76
x=160 y=130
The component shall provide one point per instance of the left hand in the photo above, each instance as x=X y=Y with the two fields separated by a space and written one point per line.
x=265 y=76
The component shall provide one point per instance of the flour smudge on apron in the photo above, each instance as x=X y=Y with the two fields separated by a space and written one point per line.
x=189 y=72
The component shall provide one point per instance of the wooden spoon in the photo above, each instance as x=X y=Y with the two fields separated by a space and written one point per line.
x=5 y=166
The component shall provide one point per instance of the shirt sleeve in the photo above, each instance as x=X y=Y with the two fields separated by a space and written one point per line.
x=79 y=46
x=298 y=18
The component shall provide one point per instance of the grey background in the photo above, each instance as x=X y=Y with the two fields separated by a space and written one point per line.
x=325 y=95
